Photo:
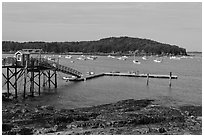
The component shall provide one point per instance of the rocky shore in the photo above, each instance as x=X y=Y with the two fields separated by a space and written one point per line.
x=126 y=117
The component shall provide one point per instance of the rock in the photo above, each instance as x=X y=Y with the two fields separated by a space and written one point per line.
x=62 y=119
x=7 y=127
x=26 y=131
x=142 y=130
x=18 y=111
x=87 y=133
x=24 y=111
x=162 y=130
x=69 y=126
x=108 y=123
x=199 y=118
x=36 y=110
x=50 y=108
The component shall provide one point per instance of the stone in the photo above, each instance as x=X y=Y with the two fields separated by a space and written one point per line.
x=7 y=127
x=199 y=118
x=26 y=131
x=162 y=130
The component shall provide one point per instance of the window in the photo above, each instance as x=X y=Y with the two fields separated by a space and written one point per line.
x=18 y=57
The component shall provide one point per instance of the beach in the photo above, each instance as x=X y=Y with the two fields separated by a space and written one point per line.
x=132 y=117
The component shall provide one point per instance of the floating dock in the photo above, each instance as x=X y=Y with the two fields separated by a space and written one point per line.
x=88 y=77
x=126 y=75
x=141 y=75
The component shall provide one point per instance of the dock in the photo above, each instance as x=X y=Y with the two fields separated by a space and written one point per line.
x=41 y=72
x=141 y=75
x=33 y=70
x=124 y=75
x=88 y=77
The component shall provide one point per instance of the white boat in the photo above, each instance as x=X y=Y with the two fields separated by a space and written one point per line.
x=122 y=58
x=92 y=57
x=183 y=57
x=144 y=57
x=49 y=58
x=90 y=73
x=136 y=61
x=60 y=56
x=68 y=56
x=82 y=57
x=158 y=60
x=175 y=58
x=109 y=56
x=69 y=78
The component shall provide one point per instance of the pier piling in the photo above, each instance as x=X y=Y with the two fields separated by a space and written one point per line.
x=147 y=79
x=170 y=75
x=15 y=83
x=7 y=80
x=25 y=79
x=39 y=82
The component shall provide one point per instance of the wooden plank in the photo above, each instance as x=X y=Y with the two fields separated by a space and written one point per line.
x=88 y=77
x=140 y=75
x=126 y=75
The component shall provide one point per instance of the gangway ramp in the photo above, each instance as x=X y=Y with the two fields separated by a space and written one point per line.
x=54 y=65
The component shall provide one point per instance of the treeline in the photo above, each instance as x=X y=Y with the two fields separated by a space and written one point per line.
x=124 y=45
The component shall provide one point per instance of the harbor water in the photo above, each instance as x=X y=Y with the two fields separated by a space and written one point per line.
x=187 y=89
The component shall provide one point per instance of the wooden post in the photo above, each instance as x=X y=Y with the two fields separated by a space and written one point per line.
x=16 y=82
x=39 y=83
x=49 y=78
x=7 y=80
x=25 y=77
x=32 y=78
x=55 y=78
x=147 y=79
x=32 y=83
x=43 y=79
x=170 y=79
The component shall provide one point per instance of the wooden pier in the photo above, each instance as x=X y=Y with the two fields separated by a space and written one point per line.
x=125 y=75
x=22 y=65
x=40 y=72
x=141 y=75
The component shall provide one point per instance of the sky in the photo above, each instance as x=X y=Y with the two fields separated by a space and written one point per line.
x=172 y=23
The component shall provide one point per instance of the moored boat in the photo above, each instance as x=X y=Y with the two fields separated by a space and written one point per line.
x=68 y=56
x=175 y=58
x=69 y=78
x=158 y=60
x=136 y=62
x=92 y=57
x=109 y=56
x=82 y=57
x=144 y=57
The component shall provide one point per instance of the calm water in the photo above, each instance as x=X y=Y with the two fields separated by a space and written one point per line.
x=187 y=88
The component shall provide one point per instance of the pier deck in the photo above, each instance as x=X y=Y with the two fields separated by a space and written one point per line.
x=124 y=74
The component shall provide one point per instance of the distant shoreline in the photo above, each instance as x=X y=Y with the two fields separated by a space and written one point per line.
x=105 y=54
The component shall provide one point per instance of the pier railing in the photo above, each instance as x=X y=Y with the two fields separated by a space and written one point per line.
x=41 y=62
x=54 y=65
